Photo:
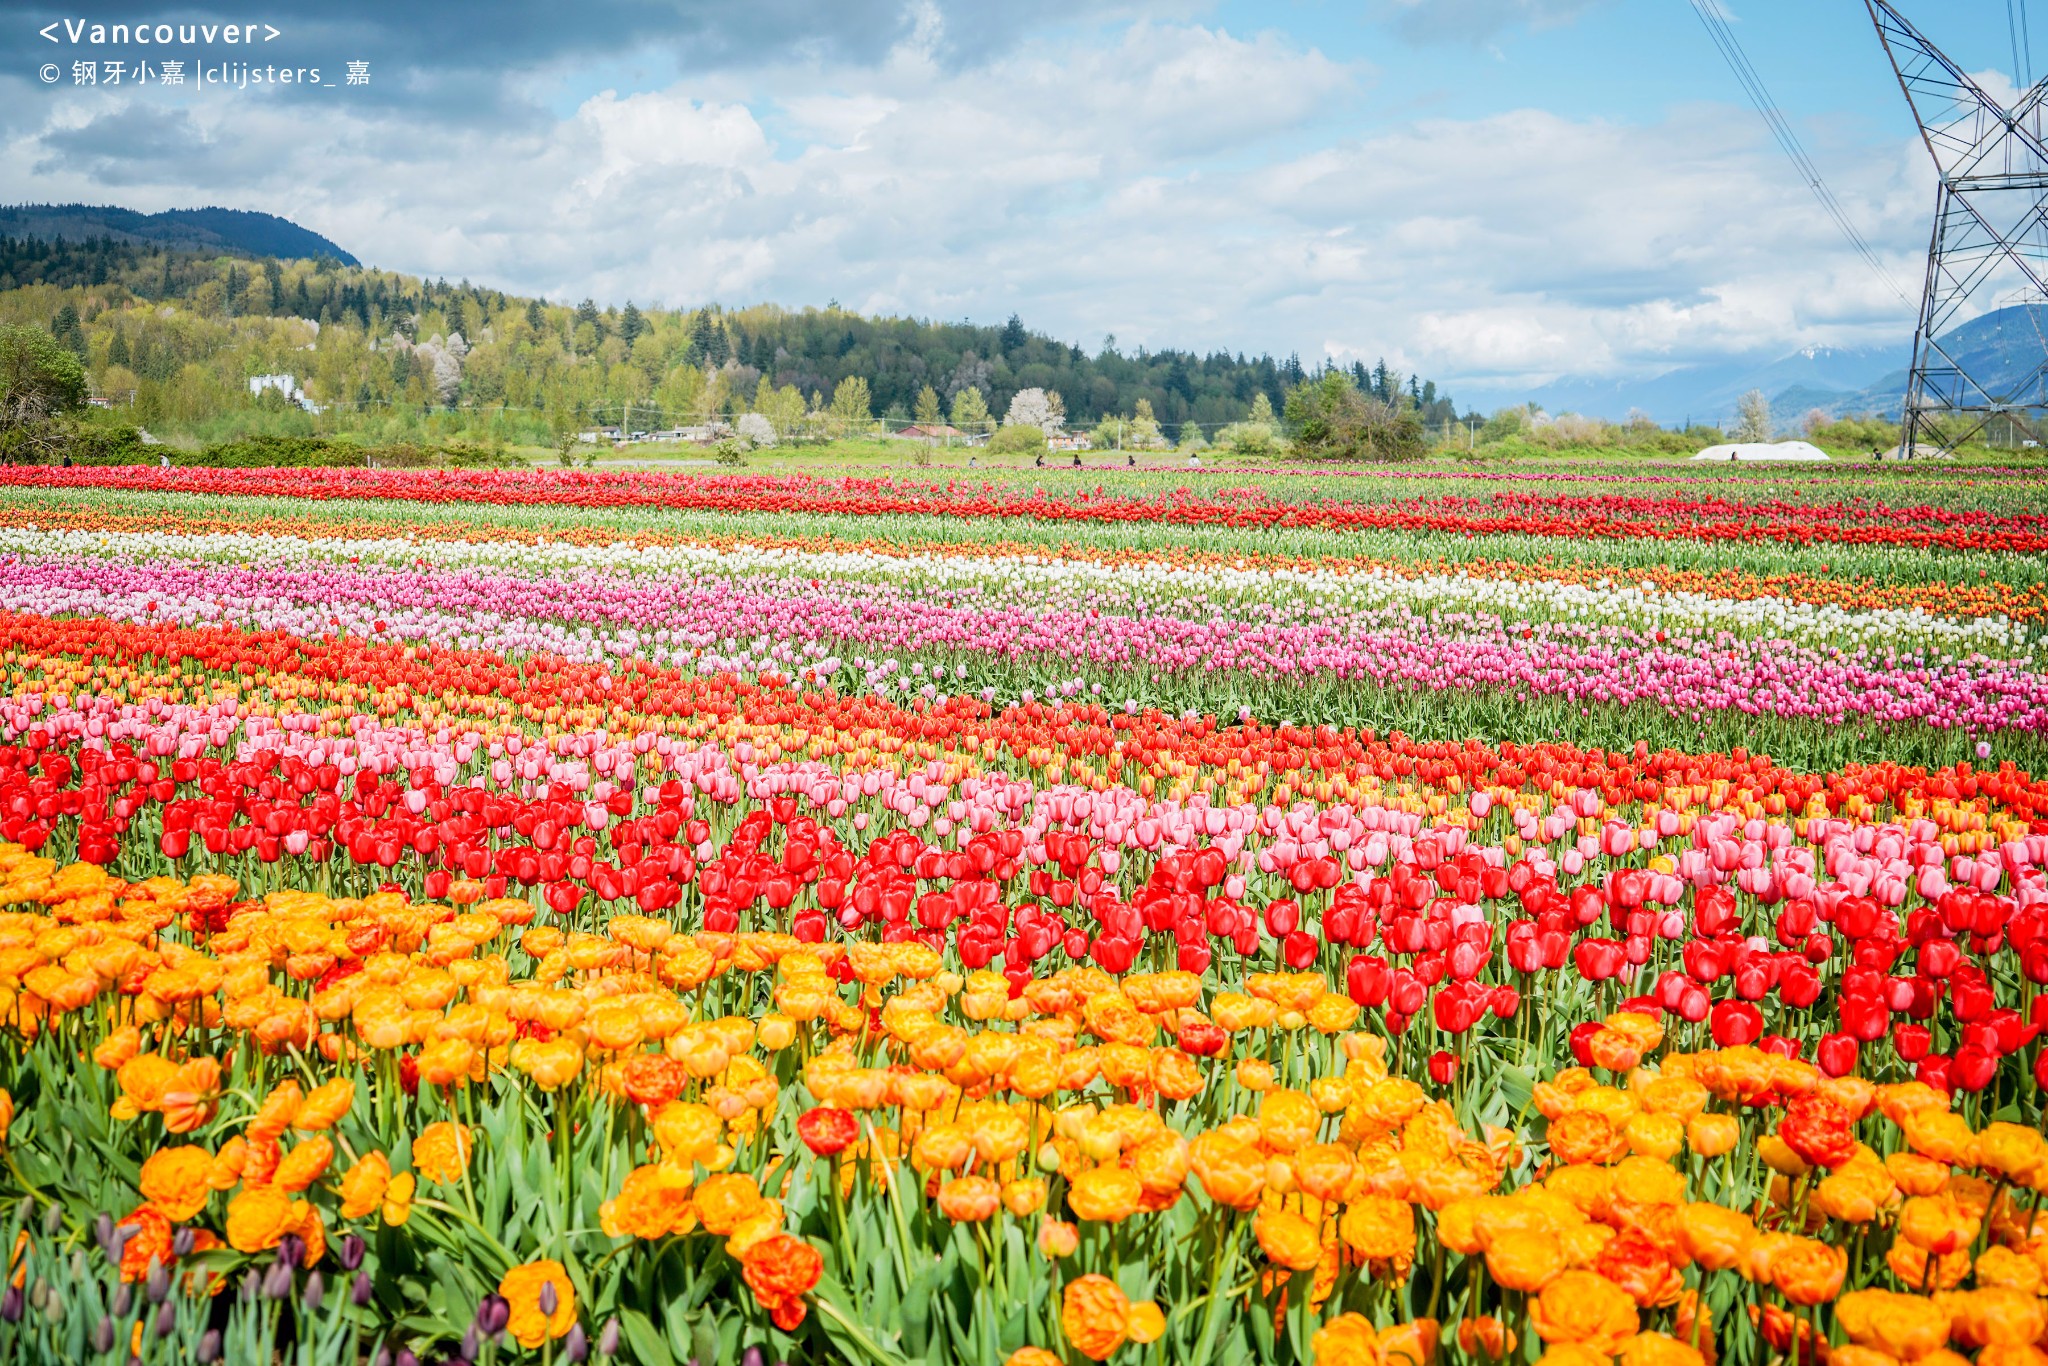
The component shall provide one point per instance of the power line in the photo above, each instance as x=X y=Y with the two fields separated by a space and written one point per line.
x=2026 y=43
x=2019 y=61
x=1718 y=29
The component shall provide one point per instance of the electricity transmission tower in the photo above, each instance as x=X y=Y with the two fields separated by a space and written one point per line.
x=1990 y=239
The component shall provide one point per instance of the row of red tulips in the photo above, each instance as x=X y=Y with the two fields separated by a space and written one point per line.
x=1574 y=517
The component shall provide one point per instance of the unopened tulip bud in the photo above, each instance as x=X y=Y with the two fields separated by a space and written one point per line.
x=360 y=1290
x=209 y=1347
x=1057 y=1238
x=608 y=1340
x=576 y=1346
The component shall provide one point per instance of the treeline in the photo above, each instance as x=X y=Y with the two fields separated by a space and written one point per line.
x=177 y=333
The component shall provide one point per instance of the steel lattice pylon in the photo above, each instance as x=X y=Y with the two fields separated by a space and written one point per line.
x=1990 y=235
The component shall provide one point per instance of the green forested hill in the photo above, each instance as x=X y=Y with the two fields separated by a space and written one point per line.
x=236 y=232
x=181 y=328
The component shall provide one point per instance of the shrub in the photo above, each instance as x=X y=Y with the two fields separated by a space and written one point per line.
x=1019 y=439
x=116 y=445
x=1253 y=439
x=1333 y=419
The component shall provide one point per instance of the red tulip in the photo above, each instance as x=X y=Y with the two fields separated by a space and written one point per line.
x=1973 y=1068
x=1836 y=1054
x=1735 y=1023
x=1911 y=1041
x=1368 y=980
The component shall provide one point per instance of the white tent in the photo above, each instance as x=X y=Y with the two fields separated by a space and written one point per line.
x=1762 y=450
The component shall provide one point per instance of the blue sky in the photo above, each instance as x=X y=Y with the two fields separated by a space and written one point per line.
x=1494 y=193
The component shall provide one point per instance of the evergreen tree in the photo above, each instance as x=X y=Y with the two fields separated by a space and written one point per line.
x=631 y=324
x=1177 y=381
x=1014 y=335
x=117 y=349
x=586 y=312
x=535 y=320
x=928 y=414
x=64 y=328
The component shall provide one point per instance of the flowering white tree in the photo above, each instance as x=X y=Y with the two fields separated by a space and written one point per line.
x=1036 y=408
x=757 y=429
x=443 y=366
x=1753 y=417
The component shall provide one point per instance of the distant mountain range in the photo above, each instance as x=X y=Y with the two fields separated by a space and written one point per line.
x=2003 y=348
x=235 y=232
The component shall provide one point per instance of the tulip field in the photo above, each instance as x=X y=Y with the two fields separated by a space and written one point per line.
x=1470 y=916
